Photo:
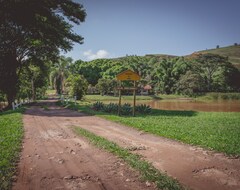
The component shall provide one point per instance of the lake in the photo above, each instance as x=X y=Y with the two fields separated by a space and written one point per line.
x=213 y=106
x=189 y=104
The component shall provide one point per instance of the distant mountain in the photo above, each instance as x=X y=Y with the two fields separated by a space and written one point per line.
x=232 y=52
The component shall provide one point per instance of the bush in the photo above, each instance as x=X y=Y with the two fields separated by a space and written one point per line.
x=76 y=86
x=98 y=106
x=143 y=108
x=126 y=109
x=111 y=108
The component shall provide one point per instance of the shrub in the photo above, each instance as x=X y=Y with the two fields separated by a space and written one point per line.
x=111 y=108
x=126 y=109
x=143 y=108
x=98 y=106
x=76 y=85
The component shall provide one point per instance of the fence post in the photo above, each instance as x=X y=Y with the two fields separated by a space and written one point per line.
x=75 y=98
x=13 y=106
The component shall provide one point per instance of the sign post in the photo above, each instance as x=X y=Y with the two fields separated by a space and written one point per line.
x=119 y=102
x=128 y=75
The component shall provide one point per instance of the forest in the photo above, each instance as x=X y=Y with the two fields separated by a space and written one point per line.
x=192 y=75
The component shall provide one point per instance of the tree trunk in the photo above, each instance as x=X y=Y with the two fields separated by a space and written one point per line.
x=8 y=77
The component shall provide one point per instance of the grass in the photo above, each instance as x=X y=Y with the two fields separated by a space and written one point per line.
x=213 y=130
x=219 y=131
x=147 y=170
x=50 y=92
x=45 y=107
x=232 y=52
x=114 y=98
x=220 y=96
x=11 y=134
x=94 y=98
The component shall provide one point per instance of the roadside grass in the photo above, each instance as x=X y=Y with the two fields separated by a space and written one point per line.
x=95 y=98
x=92 y=98
x=148 y=171
x=218 y=131
x=45 y=107
x=11 y=134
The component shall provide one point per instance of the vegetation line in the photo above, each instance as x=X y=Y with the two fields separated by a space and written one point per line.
x=11 y=135
x=147 y=170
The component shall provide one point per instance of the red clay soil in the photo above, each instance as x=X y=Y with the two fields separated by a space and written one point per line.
x=54 y=158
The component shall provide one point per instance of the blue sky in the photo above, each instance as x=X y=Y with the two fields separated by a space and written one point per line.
x=138 y=27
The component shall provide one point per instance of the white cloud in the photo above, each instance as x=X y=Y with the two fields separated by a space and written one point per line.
x=98 y=55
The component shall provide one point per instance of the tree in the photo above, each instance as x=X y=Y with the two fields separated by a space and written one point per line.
x=167 y=72
x=59 y=73
x=105 y=86
x=210 y=67
x=33 y=81
x=77 y=86
x=34 y=29
x=90 y=70
x=190 y=83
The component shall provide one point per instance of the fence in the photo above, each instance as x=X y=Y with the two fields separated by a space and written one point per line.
x=18 y=104
x=66 y=100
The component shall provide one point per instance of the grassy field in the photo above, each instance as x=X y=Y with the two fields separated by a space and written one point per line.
x=93 y=98
x=11 y=133
x=148 y=171
x=219 y=131
x=232 y=52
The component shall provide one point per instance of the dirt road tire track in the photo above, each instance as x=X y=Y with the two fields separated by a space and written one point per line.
x=54 y=158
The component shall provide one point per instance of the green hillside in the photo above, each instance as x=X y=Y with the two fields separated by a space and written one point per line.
x=232 y=52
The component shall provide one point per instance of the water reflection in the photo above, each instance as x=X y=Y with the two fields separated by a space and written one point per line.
x=215 y=106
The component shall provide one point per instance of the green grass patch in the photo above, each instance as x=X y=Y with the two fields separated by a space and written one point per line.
x=147 y=170
x=11 y=134
x=93 y=98
x=220 y=96
x=219 y=131
x=45 y=107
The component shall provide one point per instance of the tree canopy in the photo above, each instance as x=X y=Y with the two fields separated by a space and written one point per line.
x=37 y=30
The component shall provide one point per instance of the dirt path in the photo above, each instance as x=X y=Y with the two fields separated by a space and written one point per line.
x=192 y=166
x=53 y=158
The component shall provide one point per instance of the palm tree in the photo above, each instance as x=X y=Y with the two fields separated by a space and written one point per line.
x=59 y=73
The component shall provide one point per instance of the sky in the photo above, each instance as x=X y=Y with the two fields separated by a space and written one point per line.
x=116 y=28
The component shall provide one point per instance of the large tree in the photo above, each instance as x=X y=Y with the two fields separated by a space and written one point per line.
x=215 y=71
x=34 y=29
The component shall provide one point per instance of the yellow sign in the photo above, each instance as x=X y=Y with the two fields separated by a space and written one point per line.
x=128 y=75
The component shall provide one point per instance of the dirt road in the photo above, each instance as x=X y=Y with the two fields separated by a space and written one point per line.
x=54 y=158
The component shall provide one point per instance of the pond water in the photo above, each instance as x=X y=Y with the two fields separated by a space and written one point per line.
x=213 y=106
x=188 y=104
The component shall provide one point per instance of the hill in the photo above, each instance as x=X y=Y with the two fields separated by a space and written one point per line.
x=232 y=52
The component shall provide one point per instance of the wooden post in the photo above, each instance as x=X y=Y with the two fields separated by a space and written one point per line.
x=134 y=98
x=120 y=96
